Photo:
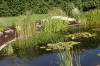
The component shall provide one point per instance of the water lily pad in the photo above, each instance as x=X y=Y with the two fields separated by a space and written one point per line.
x=80 y=35
x=48 y=49
x=42 y=47
x=97 y=65
x=62 y=45
x=98 y=54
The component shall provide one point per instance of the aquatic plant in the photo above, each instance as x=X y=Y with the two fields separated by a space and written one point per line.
x=53 y=25
x=40 y=38
x=92 y=17
x=80 y=35
x=67 y=57
x=26 y=26
x=62 y=45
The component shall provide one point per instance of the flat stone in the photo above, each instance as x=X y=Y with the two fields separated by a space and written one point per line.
x=10 y=30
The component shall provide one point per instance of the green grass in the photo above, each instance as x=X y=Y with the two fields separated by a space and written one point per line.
x=42 y=16
x=8 y=21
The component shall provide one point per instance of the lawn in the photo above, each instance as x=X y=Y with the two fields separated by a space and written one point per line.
x=8 y=21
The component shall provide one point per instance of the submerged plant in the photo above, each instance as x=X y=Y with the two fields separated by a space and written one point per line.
x=68 y=57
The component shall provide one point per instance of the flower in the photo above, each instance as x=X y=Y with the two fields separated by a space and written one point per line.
x=68 y=46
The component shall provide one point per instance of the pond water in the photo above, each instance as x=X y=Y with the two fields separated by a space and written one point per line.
x=89 y=50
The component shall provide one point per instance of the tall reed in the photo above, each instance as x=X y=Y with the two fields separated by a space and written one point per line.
x=68 y=58
x=26 y=26
x=53 y=25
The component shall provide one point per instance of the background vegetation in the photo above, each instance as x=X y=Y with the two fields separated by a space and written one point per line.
x=18 y=7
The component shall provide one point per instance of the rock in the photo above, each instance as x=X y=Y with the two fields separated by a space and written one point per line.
x=1 y=33
x=9 y=31
x=64 y=18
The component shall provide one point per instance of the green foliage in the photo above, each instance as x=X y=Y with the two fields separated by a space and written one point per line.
x=67 y=58
x=62 y=45
x=92 y=17
x=1 y=29
x=90 y=4
x=26 y=26
x=53 y=25
x=39 y=39
x=56 y=11
x=18 y=7
x=68 y=8
x=8 y=50
x=8 y=21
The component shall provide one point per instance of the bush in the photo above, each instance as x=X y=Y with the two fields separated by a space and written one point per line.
x=56 y=11
x=18 y=7
x=91 y=4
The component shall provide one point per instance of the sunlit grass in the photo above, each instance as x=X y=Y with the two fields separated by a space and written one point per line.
x=54 y=25
x=8 y=21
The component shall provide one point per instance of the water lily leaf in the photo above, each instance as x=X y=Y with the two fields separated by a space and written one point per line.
x=98 y=54
x=42 y=47
x=97 y=65
x=48 y=49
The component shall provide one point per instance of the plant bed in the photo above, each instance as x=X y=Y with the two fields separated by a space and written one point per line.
x=7 y=35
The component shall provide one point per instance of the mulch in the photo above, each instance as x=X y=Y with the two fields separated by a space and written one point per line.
x=8 y=36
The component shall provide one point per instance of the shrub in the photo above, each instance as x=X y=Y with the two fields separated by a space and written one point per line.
x=56 y=11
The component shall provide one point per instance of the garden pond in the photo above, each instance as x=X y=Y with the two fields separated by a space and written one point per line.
x=88 y=50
